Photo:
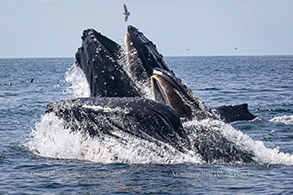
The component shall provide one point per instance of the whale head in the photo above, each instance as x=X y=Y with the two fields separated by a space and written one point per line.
x=146 y=51
x=98 y=57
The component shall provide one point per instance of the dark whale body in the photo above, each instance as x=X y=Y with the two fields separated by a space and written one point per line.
x=98 y=58
x=234 y=113
x=138 y=117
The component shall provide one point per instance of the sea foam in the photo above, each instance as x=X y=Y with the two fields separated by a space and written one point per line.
x=263 y=155
x=287 y=120
x=50 y=139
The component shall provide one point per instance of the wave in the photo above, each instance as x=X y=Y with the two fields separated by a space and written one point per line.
x=277 y=110
x=287 y=120
x=262 y=154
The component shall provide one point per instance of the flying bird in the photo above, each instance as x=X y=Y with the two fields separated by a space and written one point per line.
x=126 y=13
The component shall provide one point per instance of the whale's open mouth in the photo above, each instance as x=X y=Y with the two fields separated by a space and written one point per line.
x=168 y=90
x=128 y=43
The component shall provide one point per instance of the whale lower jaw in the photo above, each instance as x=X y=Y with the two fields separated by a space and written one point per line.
x=142 y=118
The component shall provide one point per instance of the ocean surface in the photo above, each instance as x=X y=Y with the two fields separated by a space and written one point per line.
x=39 y=156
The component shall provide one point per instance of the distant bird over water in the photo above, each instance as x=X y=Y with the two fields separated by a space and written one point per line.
x=126 y=13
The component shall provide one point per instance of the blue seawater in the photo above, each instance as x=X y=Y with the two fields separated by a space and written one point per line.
x=37 y=158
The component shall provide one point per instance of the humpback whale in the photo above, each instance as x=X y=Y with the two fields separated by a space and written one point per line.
x=168 y=88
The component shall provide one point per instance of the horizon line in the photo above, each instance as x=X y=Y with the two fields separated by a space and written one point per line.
x=219 y=55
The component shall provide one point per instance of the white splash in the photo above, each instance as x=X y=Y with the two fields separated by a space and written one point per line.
x=51 y=139
x=262 y=154
x=79 y=86
x=287 y=120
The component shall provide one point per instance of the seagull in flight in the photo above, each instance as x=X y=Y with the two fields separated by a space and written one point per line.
x=126 y=13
